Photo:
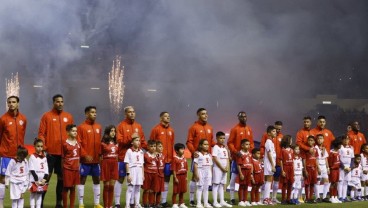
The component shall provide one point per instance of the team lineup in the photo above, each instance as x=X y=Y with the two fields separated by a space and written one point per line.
x=326 y=167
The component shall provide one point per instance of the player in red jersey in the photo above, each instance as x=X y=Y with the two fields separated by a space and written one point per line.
x=159 y=179
x=334 y=165
x=258 y=177
x=109 y=164
x=287 y=168
x=179 y=167
x=311 y=167
x=245 y=169
x=150 y=172
x=70 y=159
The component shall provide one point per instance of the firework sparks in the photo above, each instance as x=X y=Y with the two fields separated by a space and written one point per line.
x=12 y=86
x=116 y=86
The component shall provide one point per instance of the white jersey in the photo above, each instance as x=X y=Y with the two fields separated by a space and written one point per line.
x=298 y=166
x=364 y=161
x=204 y=164
x=346 y=154
x=39 y=165
x=222 y=155
x=17 y=172
x=135 y=158
x=356 y=173
x=269 y=147
x=322 y=155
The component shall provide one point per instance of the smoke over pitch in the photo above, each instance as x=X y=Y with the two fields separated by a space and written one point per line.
x=257 y=56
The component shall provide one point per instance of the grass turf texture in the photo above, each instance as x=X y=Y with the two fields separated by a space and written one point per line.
x=50 y=199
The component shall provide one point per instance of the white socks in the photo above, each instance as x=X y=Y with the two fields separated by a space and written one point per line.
x=326 y=188
x=267 y=189
x=199 y=194
x=96 y=193
x=275 y=188
x=128 y=196
x=192 y=189
x=215 y=189
x=232 y=185
x=117 y=192
x=221 y=193
x=164 y=194
x=80 y=193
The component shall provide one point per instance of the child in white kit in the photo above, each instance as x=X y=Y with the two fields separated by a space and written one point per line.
x=269 y=164
x=17 y=177
x=346 y=155
x=364 y=176
x=134 y=160
x=220 y=157
x=355 y=183
x=298 y=175
x=39 y=174
x=203 y=173
x=323 y=176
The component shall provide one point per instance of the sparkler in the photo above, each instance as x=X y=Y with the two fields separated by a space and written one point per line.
x=12 y=86
x=116 y=86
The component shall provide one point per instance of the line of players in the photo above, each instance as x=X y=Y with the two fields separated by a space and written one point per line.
x=52 y=122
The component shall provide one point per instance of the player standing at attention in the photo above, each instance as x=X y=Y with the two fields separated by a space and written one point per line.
x=258 y=176
x=245 y=169
x=70 y=159
x=346 y=156
x=356 y=186
x=287 y=168
x=16 y=176
x=39 y=174
x=364 y=162
x=322 y=177
x=220 y=157
x=150 y=172
x=311 y=169
x=269 y=164
x=179 y=167
x=109 y=164
x=298 y=175
x=334 y=165
x=159 y=179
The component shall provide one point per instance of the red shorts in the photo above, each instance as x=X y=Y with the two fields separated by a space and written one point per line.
x=247 y=174
x=258 y=178
x=180 y=187
x=334 y=175
x=149 y=181
x=109 y=169
x=159 y=184
x=289 y=178
x=312 y=176
x=71 y=177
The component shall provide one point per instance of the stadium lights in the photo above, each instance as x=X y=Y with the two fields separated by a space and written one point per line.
x=326 y=102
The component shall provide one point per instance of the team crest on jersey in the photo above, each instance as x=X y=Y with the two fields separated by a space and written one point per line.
x=97 y=131
x=127 y=130
x=201 y=131
x=241 y=133
x=162 y=132
x=54 y=119
x=21 y=122
x=10 y=123
x=88 y=130
x=136 y=129
x=209 y=131
x=248 y=132
x=326 y=134
x=170 y=133
x=279 y=139
x=65 y=119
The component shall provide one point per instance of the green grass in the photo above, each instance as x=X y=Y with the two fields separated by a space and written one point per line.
x=50 y=199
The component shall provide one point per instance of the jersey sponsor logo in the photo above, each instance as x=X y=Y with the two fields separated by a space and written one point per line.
x=127 y=130
x=241 y=133
x=21 y=122
x=88 y=130
x=97 y=131
x=65 y=119
x=136 y=129
x=75 y=152
x=162 y=132
x=326 y=134
x=170 y=133
x=54 y=119
x=249 y=133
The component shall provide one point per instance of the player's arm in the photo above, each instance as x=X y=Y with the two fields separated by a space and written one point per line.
x=42 y=131
x=129 y=177
x=252 y=174
x=305 y=167
x=191 y=135
x=241 y=176
x=143 y=138
x=251 y=139
x=282 y=168
x=300 y=142
x=195 y=172
x=269 y=155
x=327 y=166
x=231 y=141
x=217 y=162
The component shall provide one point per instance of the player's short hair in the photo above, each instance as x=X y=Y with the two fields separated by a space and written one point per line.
x=241 y=112
x=270 y=128
x=244 y=141
x=321 y=117
x=88 y=108
x=357 y=155
x=220 y=133
x=255 y=150
x=310 y=137
x=37 y=140
x=362 y=147
x=22 y=152
x=295 y=146
x=162 y=113
x=279 y=123
x=307 y=118
x=56 y=96
x=158 y=143
x=319 y=135
x=13 y=96
x=70 y=126
x=285 y=141
x=151 y=142
x=128 y=107
x=200 y=109
x=337 y=142
x=178 y=146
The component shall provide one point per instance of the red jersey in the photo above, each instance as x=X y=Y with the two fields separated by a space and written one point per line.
x=287 y=155
x=257 y=166
x=109 y=151
x=334 y=160
x=179 y=165
x=160 y=158
x=238 y=133
x=71 y=154
x=357 y=139
x=197 y=132
x=302 y=139
x=12 y=131
x=124 y=136
x=311 y=158
x=327 y=134
x=245 y=160
x=166 y=135
x=89 y=136
x=150 y=163
x=52 y=130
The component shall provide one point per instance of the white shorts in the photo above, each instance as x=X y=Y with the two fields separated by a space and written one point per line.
x=16 y=189
x=297 y=182
x=323 y=172
x=268 y=169
x=363 y=177
x=205 y=178
x=344 y=176
x=355 y=182
x=137 y=175
x=219 y=177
